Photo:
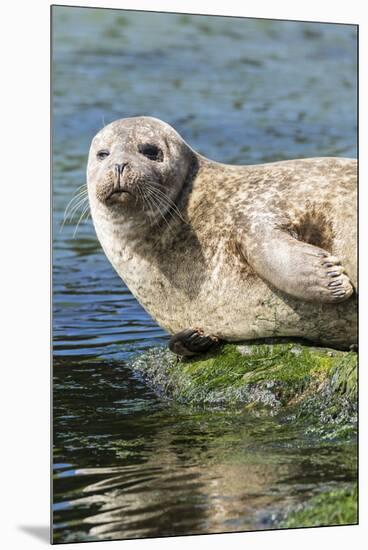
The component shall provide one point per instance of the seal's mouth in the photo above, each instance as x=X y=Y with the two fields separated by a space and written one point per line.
x=118 y=192
x=116 y=186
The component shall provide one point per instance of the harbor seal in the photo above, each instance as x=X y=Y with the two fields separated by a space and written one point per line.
x=218 y=252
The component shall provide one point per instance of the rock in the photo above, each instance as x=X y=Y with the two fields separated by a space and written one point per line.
x=309 y=390
x=336 y=507
x=316 y=383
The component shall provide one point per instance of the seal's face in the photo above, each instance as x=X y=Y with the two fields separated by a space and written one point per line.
x=137 y=165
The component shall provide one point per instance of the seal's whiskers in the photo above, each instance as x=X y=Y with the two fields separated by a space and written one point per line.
x=84 y=212
x=146 y=202
x=156 y=202
x=77 y=202
x=163 y=197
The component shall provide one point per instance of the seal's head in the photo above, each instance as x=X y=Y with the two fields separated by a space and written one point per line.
x=136 y=169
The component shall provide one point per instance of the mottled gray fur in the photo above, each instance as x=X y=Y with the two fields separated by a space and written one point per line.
x=240 y=252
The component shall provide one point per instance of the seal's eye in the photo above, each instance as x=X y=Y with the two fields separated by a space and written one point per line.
x=150 y=151
x=103 y=154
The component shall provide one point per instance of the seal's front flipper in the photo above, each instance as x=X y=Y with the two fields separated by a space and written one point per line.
x=191 y=342
x=297 y=268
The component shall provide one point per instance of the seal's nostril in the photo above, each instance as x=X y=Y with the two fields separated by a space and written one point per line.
x=118 y=171
x=119 y=168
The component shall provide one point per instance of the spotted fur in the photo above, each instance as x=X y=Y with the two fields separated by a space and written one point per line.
x=213 y=260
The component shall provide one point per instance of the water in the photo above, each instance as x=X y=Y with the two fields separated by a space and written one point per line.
x=127 y=464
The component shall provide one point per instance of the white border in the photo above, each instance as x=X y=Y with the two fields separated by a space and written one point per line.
x=25 y=269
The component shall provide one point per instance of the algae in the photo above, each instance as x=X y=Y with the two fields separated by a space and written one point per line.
x=303 y=392
x=274 y=375
x=336 y=507
x=316 y=386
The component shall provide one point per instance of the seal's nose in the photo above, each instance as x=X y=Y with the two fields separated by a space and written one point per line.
x=118 y=171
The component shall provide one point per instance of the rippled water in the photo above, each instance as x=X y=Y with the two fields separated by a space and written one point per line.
x=126 y=463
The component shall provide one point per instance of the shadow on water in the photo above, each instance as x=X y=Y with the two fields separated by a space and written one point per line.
x=126 y=463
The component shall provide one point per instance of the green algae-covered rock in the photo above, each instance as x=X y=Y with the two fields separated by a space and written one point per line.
x=308 y=381
x=304 y=397
x=336 y=507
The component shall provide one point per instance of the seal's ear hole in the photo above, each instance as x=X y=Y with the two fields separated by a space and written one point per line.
x=151 y=151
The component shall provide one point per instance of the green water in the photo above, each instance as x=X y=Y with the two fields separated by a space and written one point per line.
x=128 y=464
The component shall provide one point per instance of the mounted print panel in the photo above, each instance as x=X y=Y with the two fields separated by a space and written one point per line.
x=204 y=274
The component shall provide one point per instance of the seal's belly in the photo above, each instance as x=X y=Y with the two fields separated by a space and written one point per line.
x=236 y=308
x=233 y=304
x=261 y=312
